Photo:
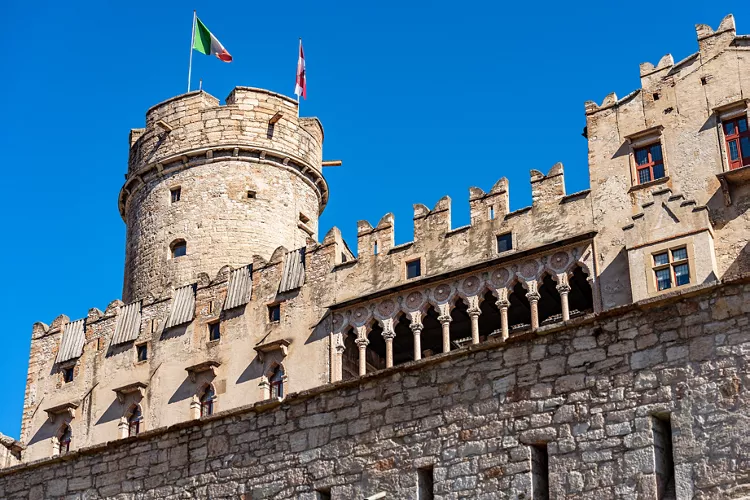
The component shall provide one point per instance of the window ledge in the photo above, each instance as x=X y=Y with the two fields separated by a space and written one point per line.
x=649 y=184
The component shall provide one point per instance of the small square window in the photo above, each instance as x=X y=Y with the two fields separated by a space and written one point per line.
x=142 y=352
x=214 y=331
x=274 y=313
x=504 y=242
x=671 y=268
x=175 y=194
x=68 y=374
x=414 y=269
x=251 y=195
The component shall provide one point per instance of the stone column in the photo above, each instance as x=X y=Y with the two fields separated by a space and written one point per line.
x=416 y=328
x=474 y=313
x=534 y=303
x=564 y=289
x=338 y=372
x=445 y=322
x=388 y=336
x=362 y=345
x=503 y=305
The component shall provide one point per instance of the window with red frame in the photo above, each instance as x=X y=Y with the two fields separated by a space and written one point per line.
x=649 y=163
x=737 y=136
x=66 y=436
x=277 y=383
x=134 y=422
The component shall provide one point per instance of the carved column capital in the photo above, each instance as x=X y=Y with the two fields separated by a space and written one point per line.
x=389 y=335
x=445 y=319
x=563 y=288
x=362 y=342
x=533 y=296
x=502 y=303
x=416 y=327
x=340 y=348
x=474 y=312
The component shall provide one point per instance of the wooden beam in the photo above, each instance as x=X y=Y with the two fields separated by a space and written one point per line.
x=275 y=117
x=331 y=163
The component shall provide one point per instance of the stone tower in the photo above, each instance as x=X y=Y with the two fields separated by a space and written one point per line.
x=227 y=182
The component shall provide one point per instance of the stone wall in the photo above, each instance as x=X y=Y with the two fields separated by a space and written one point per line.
x=590 y=391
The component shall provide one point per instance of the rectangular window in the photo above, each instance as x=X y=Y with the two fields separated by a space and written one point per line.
x=413 y=268
x=737 y=137
x=661 y=427
x=539 y=472
x=649 y=163
x=274 y=313
x=142 y=352
x=671 y=268
x=425 y=484
x=214 y=331
x=504 y=242
x=68 y=374
x=175 y=194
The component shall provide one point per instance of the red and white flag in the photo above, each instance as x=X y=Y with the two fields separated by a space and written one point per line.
x=300 y=89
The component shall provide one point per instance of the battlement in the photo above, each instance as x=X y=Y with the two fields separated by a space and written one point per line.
x=665 y=73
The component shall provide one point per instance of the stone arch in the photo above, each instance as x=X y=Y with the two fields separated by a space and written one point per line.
x=275 y=380
x=350 y=357
x=403 y=342
x=177 y=248
x=62 y=441
x=376 y=346
x=204 y=401
x=460 y=333
x=132 y=421
x=489 y=320
x=432 y=331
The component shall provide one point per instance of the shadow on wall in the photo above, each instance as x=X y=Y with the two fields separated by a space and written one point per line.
x=614 y=281
x=114 y=350
x=177 y=331
x=46 y=431
x=114 y=412
x=253 y=371
x=186 y=390
x=321 y=329
x=721 y=215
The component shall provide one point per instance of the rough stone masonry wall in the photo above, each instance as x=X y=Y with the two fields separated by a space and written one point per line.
x=588 y=390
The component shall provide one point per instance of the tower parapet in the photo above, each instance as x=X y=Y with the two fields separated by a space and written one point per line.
x=219 y=183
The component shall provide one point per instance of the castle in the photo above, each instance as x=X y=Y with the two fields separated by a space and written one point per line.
x=592 y=345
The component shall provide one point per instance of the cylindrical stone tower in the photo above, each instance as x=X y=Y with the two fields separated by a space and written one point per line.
x=219 y=184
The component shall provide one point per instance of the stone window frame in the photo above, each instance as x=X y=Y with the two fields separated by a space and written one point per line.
x=209 y=326
x=408 y=261
x=177 y=242
x=57 y=441
x=137 y=352
x=67 y=368
x=512 y=242
x=197 y=404
x=728 y=112
x=669 y=246
x=267 y=386
x=175 y=190
x=642 y=139
x=125 y=423
x=269 y=308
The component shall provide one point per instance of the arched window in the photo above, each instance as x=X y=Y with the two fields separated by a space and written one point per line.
x=207 y=401
x=66 y=436
x=277 y=383
x=178 y=248
x=134 y=422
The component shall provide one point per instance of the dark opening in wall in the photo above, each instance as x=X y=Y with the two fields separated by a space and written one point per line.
x=432 y=333
x=350 y=359
x=175 y=193
x=656 y=96
x=403 y=344
x=142 y=352
x=251 y=195
x=68 y=374
x=519 y=312
x=375 y=349
x=461 y=324
x=274 y=313
x=580 y=298
x=323 y=494
x=178 y=248
x=661 y=427
x=414 y=268
x=539 y=472
x=550 y=304
x=425 y=484
x=504 y=242
x=489 y=320
x=214 y=331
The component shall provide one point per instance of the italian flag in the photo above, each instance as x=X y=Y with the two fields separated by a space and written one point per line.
x=206 y=43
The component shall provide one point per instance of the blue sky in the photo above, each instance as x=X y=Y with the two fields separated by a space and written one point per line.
x=419 y=100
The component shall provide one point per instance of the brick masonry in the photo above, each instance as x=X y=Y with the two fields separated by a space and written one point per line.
x=589 y=390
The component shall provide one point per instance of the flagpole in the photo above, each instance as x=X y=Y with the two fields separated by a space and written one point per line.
x=192 y=42
x=298 y=54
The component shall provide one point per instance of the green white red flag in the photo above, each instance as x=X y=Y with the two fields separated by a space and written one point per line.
x=206 y=43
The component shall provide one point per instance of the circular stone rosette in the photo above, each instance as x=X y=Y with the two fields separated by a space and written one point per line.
x=338 y=321
x=559 y=261
x=414 y=300
x=500 y=277
x=471 y=285
x=360 y=315
x=529 y=269
x=386 y=308
x=442 y=292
